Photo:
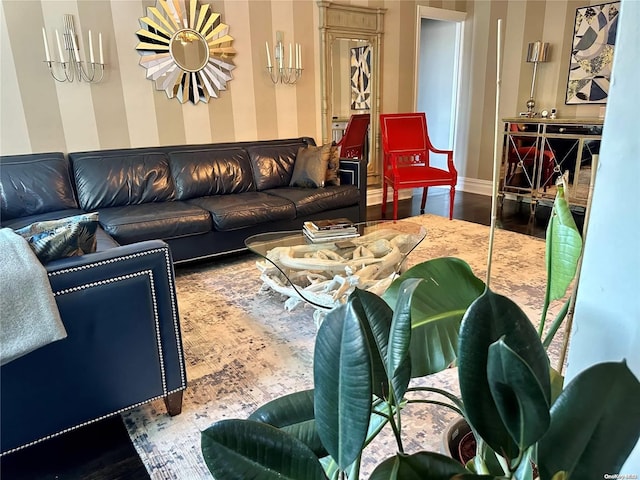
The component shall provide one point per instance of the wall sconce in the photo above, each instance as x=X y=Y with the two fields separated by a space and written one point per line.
x=74 y=68
x=537 y=52
x=287 y=75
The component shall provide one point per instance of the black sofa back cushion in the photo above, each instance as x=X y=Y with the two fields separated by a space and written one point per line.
x=206 y=172
x=33 y=184
x=119 y=178
x=273 y=165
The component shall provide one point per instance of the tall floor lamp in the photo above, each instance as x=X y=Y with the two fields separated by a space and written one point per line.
x=537 y=52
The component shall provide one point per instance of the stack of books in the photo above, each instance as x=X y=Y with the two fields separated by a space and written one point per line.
x=329 y=230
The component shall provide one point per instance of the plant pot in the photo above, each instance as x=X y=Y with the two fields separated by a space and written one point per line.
x=458 y=441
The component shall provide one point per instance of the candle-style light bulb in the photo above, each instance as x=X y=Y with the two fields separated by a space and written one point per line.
x=91 y=48
x=59 y=47
x=46 y=45
x=290 y=56
x=75 y=47
x=297 y=56
x=100 y=47
x=266 y=44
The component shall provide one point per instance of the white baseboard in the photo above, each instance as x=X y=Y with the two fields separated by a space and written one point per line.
x=473 y=185
x=469 y=185
x=374 y=195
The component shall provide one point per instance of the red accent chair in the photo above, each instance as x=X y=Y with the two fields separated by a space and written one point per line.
x=406 y=148
x=352 y=142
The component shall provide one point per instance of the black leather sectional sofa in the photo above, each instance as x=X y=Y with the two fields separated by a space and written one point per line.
x=157 y=206
x=203 y=200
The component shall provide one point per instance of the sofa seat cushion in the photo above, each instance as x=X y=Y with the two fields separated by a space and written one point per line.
x=103 y=241
x=136 y=223
x=241 y=210
x=309 y=201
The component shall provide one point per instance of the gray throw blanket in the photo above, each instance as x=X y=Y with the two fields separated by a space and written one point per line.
x=29 y=316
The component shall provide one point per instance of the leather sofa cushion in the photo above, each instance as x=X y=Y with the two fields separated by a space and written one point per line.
x=103 y=241
x=114 y=179
x=231 y=212
x=135 y=223
x=273 y=165
x=33 y=184
x=201 y=173
x=308 y=201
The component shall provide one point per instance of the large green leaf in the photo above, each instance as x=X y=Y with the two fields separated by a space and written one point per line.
x=376 y=424
x=241 y=449
x=437 y=307
x=518 y=395
x=489 y=318
x=418 y=466
x=375 y=317
x=293 y=414
x=342 y=376
x=595 y=424
x=397 y=360
x=563 y=248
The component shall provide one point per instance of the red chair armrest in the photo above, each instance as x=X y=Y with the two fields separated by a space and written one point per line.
x=449 y=153
x=437 y=150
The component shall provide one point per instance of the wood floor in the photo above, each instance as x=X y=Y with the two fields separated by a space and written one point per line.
x=514 y=216
x=103 y=451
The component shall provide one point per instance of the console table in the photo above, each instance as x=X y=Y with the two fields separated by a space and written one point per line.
x=536 y=151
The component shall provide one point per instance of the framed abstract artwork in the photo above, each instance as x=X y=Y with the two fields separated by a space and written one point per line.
x=360 y=78
x=592 y=48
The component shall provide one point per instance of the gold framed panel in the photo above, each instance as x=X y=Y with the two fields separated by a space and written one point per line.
x=356 y=24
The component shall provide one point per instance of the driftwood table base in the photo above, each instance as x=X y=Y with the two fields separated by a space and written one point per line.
x=324 y=274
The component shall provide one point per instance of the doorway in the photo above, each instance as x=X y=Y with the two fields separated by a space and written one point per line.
x=439 y=36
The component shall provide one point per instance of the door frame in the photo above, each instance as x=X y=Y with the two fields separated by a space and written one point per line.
x=458 y=18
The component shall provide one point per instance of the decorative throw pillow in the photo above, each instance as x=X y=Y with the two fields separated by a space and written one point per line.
x=310 y=169
x=67 y=237
x=332 y=168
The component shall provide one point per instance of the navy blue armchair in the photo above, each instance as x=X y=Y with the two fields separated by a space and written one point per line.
x=123 y=346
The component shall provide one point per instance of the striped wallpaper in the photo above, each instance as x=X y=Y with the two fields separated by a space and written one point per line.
x=38 y=114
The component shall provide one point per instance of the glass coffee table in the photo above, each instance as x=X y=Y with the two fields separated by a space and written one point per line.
x=325 y=273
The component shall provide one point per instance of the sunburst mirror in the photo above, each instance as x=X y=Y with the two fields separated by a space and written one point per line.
x=186 y=49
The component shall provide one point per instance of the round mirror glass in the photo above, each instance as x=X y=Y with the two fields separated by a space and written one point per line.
x=189 y=50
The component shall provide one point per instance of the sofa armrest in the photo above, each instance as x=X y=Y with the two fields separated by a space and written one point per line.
x=123 y=346
x=103 y=275
x=353 y=171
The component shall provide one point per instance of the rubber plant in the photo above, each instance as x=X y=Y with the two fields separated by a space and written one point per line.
x=365 y=354
x=509 y=389
x=362 y=370
x=361 y=376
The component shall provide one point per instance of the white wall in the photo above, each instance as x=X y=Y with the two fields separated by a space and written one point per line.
x=607 y=316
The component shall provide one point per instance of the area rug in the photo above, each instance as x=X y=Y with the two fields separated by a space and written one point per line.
x=243 y=348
